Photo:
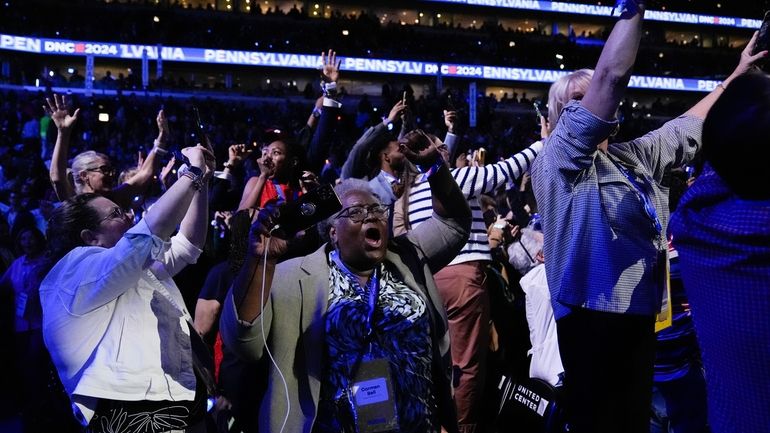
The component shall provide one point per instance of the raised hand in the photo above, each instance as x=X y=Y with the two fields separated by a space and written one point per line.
x=419 y=148
x=201 y=157
x=266 y=166
x=58 y=109
x=396 y=111
x=163 y=131
x=330 y=67
x=166 y=170
x=450 y=120
x=236 y=154
x=544 y=126
x=308 y=181
x=747 y=61
x=262 y=224
x=139 y=159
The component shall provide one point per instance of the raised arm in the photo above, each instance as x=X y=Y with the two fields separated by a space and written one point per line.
x=254 y=186
x=451 y=139
x=355 y=166
x=613 y=70
x=481 y=180
x=423 y=151
x=746 y=64
x=194 y=225
x=325 y=112
x=248 y=293
x=139 y=182
x=175 y=204
x=58 y=109
x=442 y=236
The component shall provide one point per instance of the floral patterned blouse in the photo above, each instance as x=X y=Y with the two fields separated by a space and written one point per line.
x=401 y=334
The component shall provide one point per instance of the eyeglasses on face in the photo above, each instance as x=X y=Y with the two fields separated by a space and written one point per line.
x=117 y=213
x=359 y=213
x=104 y=169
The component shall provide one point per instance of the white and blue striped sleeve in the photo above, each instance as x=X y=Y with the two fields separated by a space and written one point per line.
x=481 y=180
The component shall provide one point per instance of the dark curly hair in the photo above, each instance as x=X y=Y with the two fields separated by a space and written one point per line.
x=66 y=223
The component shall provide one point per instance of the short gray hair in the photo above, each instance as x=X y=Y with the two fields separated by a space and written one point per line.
x=343 y=189
x=83 y=162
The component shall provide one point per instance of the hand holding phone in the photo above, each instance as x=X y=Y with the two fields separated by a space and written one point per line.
x=310 y=209
x=201 y=130
x=450 y=106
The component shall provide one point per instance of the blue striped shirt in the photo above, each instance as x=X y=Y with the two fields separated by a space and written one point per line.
x=602 y=249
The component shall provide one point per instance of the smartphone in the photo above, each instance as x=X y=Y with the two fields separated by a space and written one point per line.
x=481 y=155
x=537 y=110
x=763 y=39
x=450 y=106
x=200 y=129
x=310 y=209
x=403 y=98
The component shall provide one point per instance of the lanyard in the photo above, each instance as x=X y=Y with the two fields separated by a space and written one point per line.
x=372 y=287
x=649 y=208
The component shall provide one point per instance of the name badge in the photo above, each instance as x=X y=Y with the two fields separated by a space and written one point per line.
x=374 y=404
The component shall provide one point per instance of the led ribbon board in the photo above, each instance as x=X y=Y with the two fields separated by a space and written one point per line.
x=312 y=61
x=606 y=11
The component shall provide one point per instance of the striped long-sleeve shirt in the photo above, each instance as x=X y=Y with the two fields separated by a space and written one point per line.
x=473 y=181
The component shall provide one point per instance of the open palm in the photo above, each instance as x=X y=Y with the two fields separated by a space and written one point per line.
x=58 y=109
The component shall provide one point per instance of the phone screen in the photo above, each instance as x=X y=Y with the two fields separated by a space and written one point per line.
x=538 y=113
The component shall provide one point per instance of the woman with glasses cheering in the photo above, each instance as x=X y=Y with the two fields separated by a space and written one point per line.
x=92 y=172
x=357 y=329
x=113 y=319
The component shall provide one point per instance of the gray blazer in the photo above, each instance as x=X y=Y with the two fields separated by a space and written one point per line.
x=294 y=323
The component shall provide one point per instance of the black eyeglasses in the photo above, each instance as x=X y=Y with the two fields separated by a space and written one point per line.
x=359 y=213
x=104 y=169
x=117 y=213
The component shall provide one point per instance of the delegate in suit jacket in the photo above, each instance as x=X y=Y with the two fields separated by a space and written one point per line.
x=294 y=323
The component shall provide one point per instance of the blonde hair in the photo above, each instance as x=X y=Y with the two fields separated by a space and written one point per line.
x=569 y=87
x=82 y=162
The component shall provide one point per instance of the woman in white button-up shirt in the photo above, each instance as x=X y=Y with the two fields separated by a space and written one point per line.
x=113 y=319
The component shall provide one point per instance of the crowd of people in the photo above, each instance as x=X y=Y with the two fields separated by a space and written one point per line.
x=309 y=265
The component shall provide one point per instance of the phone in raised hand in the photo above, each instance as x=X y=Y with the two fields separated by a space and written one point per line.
x=538 y=113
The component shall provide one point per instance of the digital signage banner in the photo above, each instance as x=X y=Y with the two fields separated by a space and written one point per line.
x=312 y=61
